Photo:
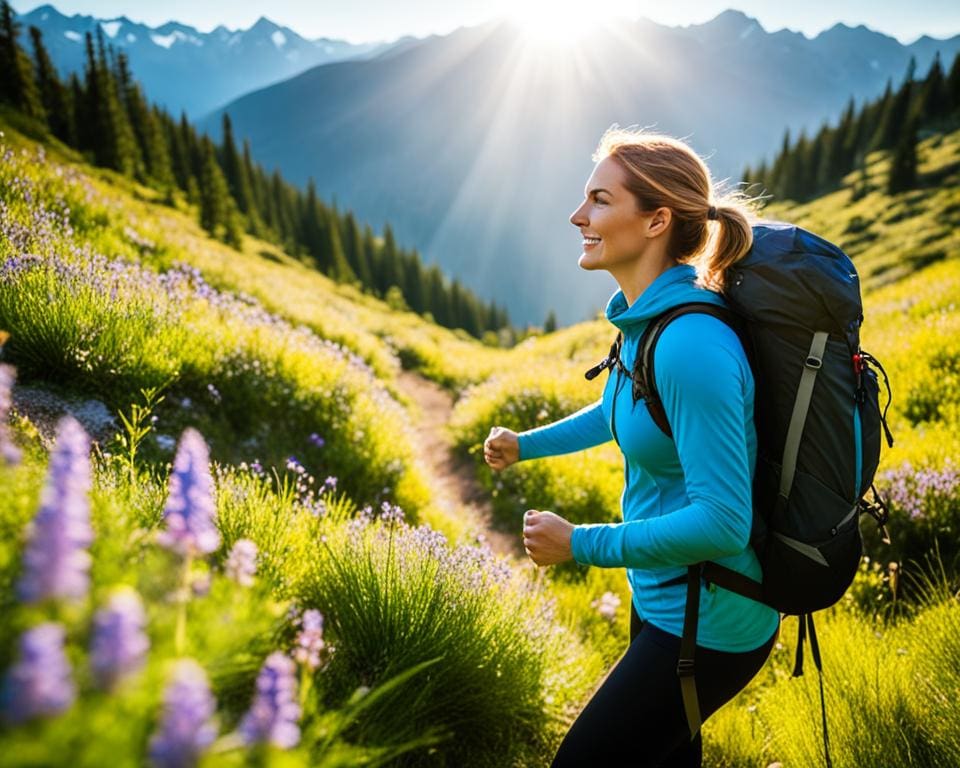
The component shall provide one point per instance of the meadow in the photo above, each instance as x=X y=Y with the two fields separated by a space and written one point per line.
x=251 y=569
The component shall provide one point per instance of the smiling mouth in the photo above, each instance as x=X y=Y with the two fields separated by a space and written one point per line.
x=588 y=242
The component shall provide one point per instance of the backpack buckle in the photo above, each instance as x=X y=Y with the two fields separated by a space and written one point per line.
x=685 y=668
x=813 y=362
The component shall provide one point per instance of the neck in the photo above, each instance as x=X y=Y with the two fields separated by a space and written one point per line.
x=634 y=278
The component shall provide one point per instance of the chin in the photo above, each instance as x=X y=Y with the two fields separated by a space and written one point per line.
x=588 y=262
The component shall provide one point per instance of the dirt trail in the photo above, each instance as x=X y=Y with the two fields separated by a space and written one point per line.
x=455 y=488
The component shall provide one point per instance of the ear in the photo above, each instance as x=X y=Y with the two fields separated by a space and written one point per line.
x=659 y=221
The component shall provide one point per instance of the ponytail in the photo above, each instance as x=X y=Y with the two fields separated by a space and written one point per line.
x=729 y=239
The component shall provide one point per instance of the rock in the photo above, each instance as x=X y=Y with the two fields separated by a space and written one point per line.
x=44 y=408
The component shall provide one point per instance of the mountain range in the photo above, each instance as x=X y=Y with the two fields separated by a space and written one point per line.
x=182 y=68
x=476 y=145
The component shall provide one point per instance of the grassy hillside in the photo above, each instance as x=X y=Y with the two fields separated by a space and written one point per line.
x=444 y=654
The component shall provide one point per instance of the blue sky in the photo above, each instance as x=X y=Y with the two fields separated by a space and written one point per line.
x=363 y=20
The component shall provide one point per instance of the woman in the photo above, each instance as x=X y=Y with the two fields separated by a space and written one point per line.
x=651 y=220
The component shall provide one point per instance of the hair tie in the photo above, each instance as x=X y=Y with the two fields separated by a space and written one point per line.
x=712 y=213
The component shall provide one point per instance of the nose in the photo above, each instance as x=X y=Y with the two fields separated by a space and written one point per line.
x=579 y=218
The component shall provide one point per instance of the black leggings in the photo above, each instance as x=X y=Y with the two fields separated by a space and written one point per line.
x=636 y=717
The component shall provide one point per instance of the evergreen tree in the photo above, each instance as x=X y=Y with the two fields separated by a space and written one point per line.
x=314 y=238
x=389 y=263
x=413 y=279
x=933 y=92
x=777 y=172
x=146 y=128
x=953 y=86
x=54 y=96
x=550 y=324
x=17 y=86
x=894 y=117
x=339 y=267
x=903 y=166
x=213 y=191
x=234 y=168
x=356 y=256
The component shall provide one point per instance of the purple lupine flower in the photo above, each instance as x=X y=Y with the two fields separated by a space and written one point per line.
x=330 y=484
x=309 y=642
x=9 y=452
x=316 y=440
x=241 y=565
x=56 y=563
x=191 y=506
x=40 y=683
x=119 y=645
x=274 y=713
x=186 y=727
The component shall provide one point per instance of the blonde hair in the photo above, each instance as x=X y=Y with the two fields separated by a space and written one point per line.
x=665 y=172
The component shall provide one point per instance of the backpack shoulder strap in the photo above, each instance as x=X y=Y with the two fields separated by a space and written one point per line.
x=644 y=382
x=613 y=356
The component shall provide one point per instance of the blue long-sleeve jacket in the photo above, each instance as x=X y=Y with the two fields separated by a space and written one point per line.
x=684 y=500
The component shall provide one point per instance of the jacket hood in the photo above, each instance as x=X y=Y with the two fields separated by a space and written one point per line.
x=676 y=285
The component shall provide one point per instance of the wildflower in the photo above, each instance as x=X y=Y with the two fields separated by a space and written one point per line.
x=295 y=466
x=119 y=644
x=214 y=393
x=9 y=452
x=241 y=565
x=200 y=584
x=186 y=726
x=190 y=510
x=330 y=484
x=40 y=683
x=316 y=440
x=274 y=713
x=56 y=562
x=607 y=605
x=309 y=641
x=390 y=513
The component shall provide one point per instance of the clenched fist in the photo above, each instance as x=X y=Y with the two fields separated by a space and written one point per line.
x=546 y=537
x=501 y=448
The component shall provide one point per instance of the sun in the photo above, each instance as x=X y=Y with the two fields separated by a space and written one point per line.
x=565 y=22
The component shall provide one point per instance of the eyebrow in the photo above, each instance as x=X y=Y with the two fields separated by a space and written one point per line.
x=598 y=190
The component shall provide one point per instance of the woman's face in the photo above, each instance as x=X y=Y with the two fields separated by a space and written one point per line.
x=614 y=230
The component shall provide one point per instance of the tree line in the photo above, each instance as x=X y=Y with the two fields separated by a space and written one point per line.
x=806 y=167
x=105 y=115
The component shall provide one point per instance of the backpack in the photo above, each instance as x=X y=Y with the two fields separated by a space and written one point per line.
x=794 y=302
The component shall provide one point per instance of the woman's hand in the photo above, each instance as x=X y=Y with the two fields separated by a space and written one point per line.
x=501 y=448
x=546 y=537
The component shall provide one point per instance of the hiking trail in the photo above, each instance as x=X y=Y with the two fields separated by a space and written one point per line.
x=455 y=488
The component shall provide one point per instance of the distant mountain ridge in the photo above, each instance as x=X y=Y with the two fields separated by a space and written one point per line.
x=476 y=147
x=185 y=69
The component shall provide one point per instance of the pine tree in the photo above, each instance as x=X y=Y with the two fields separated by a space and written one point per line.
x=213 y=191
x=897 y=111
x=953 y=86
x=146 y=130
x=933 y=92
x=235 y=170
x=339 y=267
x=17 y=86
x=777 y=172
x=54 y=97
x=550 y=324
x=903 y=166
x=356 y=256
